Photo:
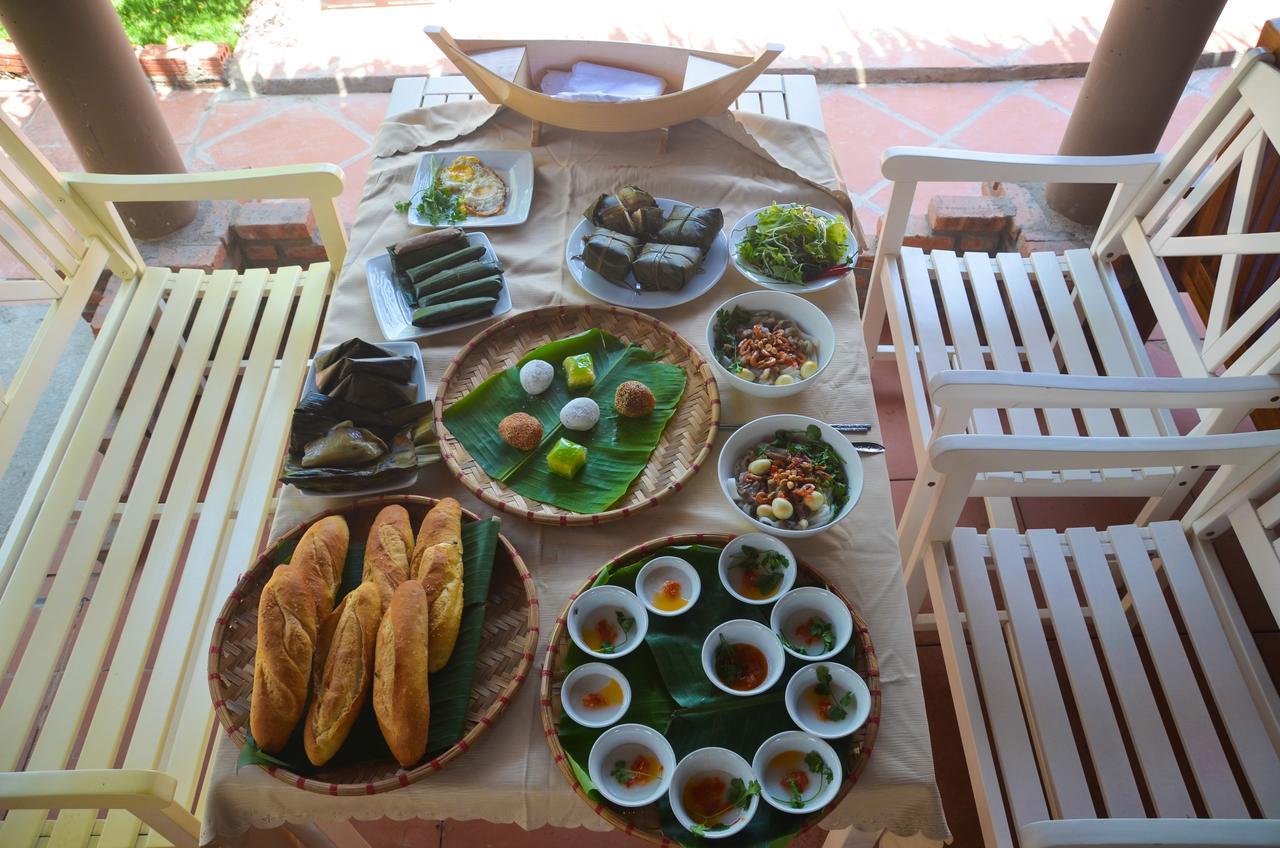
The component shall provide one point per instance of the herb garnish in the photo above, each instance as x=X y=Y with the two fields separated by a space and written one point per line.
x=725 y=336
x=628 y=775
x=740 y=795
x=627 y=623
x=762 y=568
x=816 y=765
x=726 y=661
x=810 y=445
x=433 y=203
x=839 y=706
x=820 y=628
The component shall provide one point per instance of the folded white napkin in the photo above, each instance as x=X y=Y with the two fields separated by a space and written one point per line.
x=601 y=83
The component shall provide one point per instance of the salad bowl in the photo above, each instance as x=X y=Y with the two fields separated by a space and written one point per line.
x=825 y=280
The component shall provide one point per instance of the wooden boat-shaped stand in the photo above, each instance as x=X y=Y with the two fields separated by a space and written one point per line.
x=698 y=82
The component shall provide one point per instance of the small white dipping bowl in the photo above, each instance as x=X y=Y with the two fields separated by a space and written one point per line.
x=742 y=630
x=762 y=429
x=771 y=775
x=739 y=232
x=625 y=742
x=843 y=679
x=656 y=572
x=797 y=607
x=732 y=577
x=727 y=765
x=607 y=601
x=592 y=677
x=812 y=320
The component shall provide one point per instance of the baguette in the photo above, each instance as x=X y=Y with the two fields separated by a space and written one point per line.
x=321 y=555
x=287 y=625
x=400 y=692
x=348 y=672
x=437 y=564
x=388 y=551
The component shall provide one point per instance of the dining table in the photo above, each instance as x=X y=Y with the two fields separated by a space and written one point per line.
x=737 y=162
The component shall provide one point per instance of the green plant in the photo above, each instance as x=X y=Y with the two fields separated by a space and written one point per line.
x=185 y=21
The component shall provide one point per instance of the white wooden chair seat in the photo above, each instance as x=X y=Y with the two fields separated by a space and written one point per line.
x=1048 y=313
x=1107 y=675
x=153 y=492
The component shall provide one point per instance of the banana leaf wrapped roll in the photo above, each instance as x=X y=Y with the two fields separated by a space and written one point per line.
x=400 y=458
x=666 y=267
x=342 y=445
x=373 y=392
x=418 y=273
x=610 y=254
x=425 y=247
x=398 y=369
x=450 y=277
x=692 y=226
x=351 y=348
x=631 y=211
x=457 y=310
x=483 y=287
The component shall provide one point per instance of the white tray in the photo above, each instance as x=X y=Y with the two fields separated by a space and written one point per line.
x=713 y=267
x=420 y=386
x=391 y=306
x=514 y=166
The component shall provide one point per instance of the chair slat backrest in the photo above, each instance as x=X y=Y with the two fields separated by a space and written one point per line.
x=1234 y=254
x=59 y=247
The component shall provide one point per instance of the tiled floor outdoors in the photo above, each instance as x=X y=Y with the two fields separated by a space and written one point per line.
x=221 y=129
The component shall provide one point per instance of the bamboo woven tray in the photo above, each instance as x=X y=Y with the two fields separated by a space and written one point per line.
x=505 y=656
x=643 y=822
x=685 y=445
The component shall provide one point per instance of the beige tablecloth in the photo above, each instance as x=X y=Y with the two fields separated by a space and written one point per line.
x=737 y=165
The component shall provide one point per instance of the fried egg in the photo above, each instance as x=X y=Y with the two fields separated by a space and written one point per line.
x=482 y=191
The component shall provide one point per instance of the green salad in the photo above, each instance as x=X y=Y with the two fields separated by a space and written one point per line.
x=791 y=243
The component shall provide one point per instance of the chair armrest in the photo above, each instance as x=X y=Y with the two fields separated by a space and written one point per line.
x=132 y=789
x=931 y=164
x=1140 y=833
x=291 y=181
x=972 y=389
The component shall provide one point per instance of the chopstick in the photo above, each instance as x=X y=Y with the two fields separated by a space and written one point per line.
x=839 y=428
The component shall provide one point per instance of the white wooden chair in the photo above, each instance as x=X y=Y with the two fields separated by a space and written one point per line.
x=1066 y=313
x=1162 y=708
x=151 y=496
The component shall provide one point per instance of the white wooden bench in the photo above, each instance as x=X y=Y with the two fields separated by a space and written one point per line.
x=793 y=97
x=151 y=497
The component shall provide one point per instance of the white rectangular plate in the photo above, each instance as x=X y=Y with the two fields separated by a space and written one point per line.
x=421 y=393
x=515 y=167
x=391 y=307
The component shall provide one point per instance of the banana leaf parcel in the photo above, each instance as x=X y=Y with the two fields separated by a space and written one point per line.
x=618 y=448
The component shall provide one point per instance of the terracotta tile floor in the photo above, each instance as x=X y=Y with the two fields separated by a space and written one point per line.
x=223 y=130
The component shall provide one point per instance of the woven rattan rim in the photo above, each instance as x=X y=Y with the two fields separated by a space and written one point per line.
x=867 y=666
x=501 y=498
x=247 y=587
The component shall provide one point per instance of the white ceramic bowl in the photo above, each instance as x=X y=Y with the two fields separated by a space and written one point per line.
x=588 y=678
x=739 y=232
x=812 y=320
x=843 y=679
x=730 y=577
x=794 y=610
x=762 y=429
x=605 y=602
x=818 y=794
x=658 y=571
x=742 y=630
x=727 y=765
x=625 y=742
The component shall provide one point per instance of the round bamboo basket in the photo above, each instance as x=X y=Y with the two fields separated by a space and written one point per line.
x=685 y=444
x=506 y=654
x=643 y=822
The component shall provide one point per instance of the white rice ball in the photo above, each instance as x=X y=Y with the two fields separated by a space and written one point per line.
x=536 y=376
x=580 y=414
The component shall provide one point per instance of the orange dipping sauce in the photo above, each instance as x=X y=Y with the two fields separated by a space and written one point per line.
x=670 y=597
x=608 y=695
x=706 y=799
x=749 y=667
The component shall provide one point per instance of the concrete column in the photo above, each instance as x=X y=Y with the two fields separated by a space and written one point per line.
x=1145 y=55
x=80 y=57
